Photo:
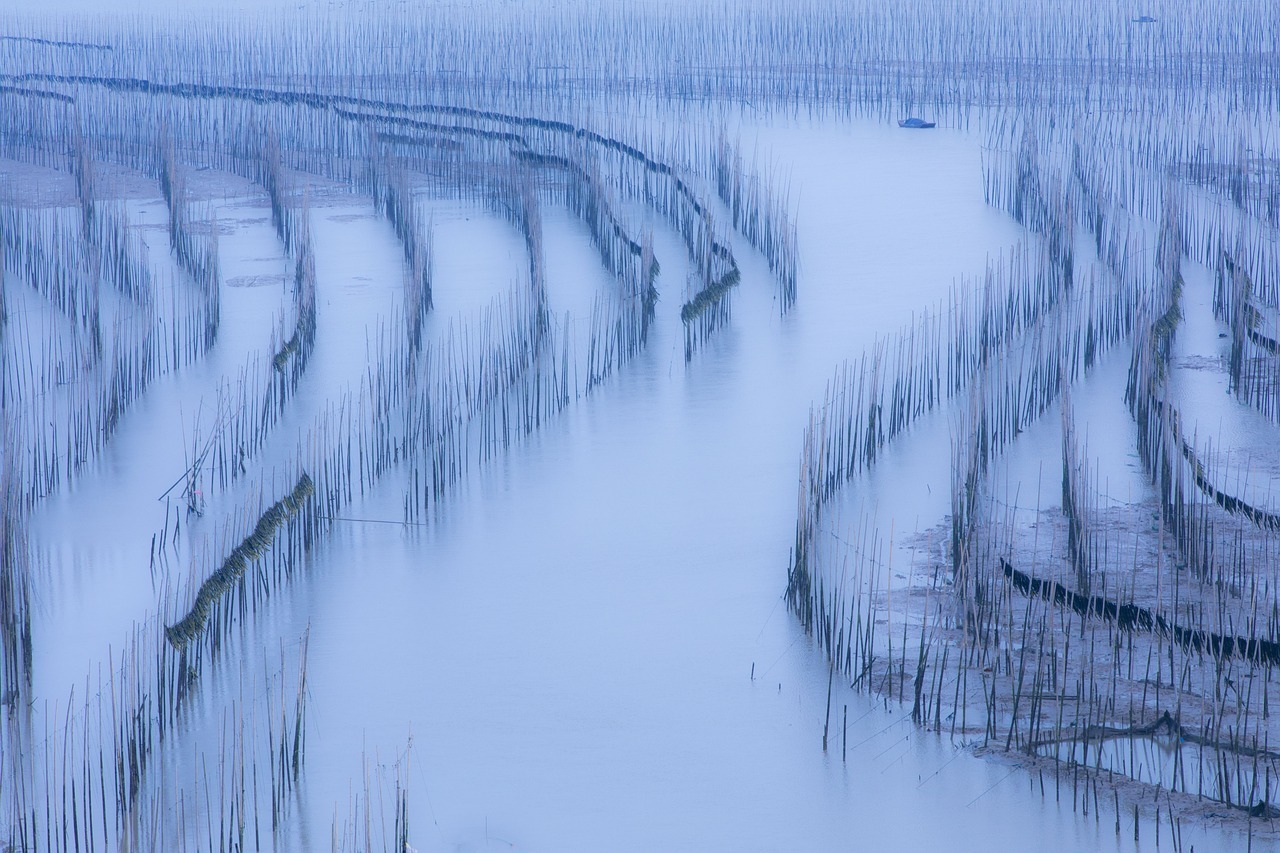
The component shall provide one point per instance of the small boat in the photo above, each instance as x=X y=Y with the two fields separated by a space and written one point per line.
x=1144 y=19
x=916 y=122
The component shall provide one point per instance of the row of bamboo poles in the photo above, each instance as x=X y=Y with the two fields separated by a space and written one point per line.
x=1095 y=643
x=428 y=407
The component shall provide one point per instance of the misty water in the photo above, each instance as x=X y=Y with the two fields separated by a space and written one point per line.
x=587 y=647
x=590 y=638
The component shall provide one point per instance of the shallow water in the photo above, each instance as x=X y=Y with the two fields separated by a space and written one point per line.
x=587 y=648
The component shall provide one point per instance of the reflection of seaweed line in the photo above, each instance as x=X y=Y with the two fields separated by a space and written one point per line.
x=233 y=568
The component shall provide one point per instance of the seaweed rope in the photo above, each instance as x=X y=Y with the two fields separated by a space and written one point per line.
x=233 y=568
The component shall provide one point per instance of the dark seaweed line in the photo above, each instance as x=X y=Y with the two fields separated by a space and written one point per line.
x=55 y=43
x=319 y=101
x=567 y=165
x=37 y=93
x=697 y=308
x=1230 y=503
x=704 y=299
x=1131 y=617
x=1271 y=345
x=233 y=568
